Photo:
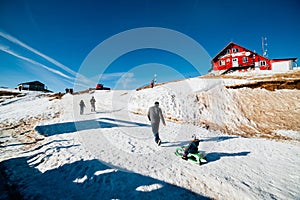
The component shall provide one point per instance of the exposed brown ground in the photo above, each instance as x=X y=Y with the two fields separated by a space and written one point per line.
x=270 y=111
x=278 y=108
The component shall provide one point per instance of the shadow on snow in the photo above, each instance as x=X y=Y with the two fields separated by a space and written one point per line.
x=70 y=127
x=218 y=139
x=89 y=179
x=187 y=142
x=214 y=156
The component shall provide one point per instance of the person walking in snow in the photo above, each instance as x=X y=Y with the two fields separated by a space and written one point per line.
x=82 y=105
x=154 y=116
x=93 y=101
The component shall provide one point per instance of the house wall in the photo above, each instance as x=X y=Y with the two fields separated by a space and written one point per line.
x=33 y=87
x=244 y=58
x=36 y=87
x=282 y=66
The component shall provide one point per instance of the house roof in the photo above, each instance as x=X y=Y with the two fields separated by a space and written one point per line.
x=32 y=83
x=231 y=44
x=278 y=59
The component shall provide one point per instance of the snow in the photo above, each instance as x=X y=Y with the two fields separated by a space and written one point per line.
x=111 y=153
x=254 y=73
x=27 y=105
x=289 y=133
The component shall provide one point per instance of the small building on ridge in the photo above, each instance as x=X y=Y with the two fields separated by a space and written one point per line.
x=33 y=86
x=234 y=57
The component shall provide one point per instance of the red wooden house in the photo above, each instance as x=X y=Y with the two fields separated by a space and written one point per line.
x=235 y=57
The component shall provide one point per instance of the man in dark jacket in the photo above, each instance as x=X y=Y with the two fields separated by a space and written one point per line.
x=192 y=148
x=82 y=105
x=93 y=101
x=155 y=115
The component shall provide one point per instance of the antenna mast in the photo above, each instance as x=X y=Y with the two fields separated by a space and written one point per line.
x=264 y=46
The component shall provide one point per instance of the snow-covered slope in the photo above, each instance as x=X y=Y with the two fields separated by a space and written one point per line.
x=207 y=102
x=25 y=105
x=111 y=153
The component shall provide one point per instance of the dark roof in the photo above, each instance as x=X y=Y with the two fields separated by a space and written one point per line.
x=232 y=43
x=32 y=83
x=293 y=59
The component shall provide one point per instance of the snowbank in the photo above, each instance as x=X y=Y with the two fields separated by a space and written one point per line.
x=111 y=153
x=26 y=105
x=208 y=103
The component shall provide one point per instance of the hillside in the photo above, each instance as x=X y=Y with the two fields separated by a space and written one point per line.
x=250 y=137
x=245 y=105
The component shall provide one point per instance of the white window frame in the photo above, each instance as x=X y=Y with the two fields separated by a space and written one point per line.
x=221 y=62
x=235 y=50
x=235 y=62
x=228 y=51
x=263 y=63
x=245 y=59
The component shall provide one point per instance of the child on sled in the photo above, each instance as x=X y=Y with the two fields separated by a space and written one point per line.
x=192 y=148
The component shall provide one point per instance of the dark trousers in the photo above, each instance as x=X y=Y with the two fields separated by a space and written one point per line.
x=156 y=137
x=190 y=149
x=93 y=108
x=155 y=128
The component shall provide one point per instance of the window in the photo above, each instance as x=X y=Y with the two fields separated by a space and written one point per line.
x=222 y=62
x=235 y=50
x=228 y=51
x=245 y=59
x=263 y=63
x=235 y=62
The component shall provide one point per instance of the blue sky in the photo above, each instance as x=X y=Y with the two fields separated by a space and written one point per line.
x=51 y=41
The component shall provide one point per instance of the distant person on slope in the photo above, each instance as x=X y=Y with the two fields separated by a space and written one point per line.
x=93 y=101
x=20 y=87
x=82 y=105
x=155 y=115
